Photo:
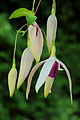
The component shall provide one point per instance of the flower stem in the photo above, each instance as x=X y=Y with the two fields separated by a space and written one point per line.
x=38 y=6
x=16 y=44
x=53 y=11
x=53 y=51
x=33 y=5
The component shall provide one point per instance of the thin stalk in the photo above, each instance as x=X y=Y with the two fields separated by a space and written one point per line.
x=53 y=11
x=33 y=5
x=16 y=43
x=38 y=6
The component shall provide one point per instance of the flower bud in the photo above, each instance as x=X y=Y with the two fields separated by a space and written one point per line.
x=25 y=66
x=51 y=31
x=36 y=41
x=12 y=76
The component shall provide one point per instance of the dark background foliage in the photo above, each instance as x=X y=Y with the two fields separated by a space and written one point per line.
x=57 y=105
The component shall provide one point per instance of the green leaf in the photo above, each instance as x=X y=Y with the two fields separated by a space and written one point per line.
x=30 y=17
x=21 y=12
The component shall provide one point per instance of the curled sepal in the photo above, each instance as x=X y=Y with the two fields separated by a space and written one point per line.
x=31 y=76
x=12 y=76
x=48 y=85
x=69 y=78
x=25 y=66
x=36 y=41
x=51 y=31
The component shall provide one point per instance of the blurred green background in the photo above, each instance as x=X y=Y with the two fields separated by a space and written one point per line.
x=57 y=105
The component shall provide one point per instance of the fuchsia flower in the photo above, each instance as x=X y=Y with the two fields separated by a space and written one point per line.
x=48 y=73
x=36 y=41
x=25 y=66
x=51 y=65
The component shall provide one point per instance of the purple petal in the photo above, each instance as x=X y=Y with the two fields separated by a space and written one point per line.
x=54 y=70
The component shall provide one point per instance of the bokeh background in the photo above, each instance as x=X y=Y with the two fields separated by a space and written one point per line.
x=57 y=105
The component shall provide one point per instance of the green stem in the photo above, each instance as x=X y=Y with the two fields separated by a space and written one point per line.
x=16 y=43
x=33 y=5
x=53 y=11
x=14 y=64
x=28 y=42
x=53 y=51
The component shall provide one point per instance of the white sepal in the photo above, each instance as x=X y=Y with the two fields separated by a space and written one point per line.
x=69 y=78
x=31 y=76
x=44 y=72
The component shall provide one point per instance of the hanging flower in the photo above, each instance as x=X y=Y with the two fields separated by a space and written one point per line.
x=51 y=31
x=25 y=66
x=12 y=76
x=48 y=73
x=36 y=41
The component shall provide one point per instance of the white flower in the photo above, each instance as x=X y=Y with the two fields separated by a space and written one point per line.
x=36 y=41
x=47 y=75
x=25 y=66
x=12 y=76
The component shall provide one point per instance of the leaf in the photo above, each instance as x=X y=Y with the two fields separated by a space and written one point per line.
x=30 y=17
x=21 y=12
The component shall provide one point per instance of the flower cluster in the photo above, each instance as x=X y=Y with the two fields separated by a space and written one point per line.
x=33 y=52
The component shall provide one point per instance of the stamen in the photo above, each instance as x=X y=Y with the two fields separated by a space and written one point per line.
x=54 y=70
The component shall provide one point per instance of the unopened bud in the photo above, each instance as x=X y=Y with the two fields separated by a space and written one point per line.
x=36 y=41
x=12 y=76
x=25 y=66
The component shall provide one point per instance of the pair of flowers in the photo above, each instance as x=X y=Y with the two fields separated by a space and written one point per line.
x=34 y=51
